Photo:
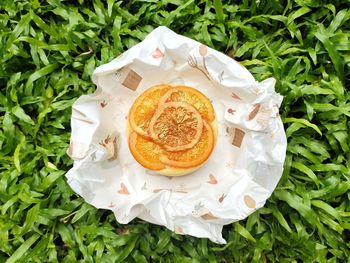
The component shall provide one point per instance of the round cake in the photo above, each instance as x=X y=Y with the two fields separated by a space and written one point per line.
x=171 y=129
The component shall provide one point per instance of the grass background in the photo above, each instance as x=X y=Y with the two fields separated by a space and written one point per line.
x=48 y=50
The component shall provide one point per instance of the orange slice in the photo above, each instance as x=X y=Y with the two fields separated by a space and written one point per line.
x=145 y=151
x=192 y=157
x=176 y=126
x=193 y=97
x=144 y=107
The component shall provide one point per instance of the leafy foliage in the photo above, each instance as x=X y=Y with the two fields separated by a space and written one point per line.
x=48 y=50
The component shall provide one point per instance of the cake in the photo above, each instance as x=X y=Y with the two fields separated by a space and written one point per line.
x=171 y=129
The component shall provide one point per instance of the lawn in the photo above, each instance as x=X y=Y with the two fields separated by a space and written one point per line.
x=48 y=51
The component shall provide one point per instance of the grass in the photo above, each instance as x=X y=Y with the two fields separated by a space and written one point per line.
x=48 y=50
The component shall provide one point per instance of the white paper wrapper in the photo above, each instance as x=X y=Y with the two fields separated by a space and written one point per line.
x=242 y=171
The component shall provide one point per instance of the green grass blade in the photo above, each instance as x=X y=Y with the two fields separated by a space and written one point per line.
x=23 y=249
x=303 y=122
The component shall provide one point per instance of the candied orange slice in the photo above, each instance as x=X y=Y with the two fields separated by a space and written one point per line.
x=145 y=151
x=172 y=129
x=176 y=126
x=144 y=107
x=193 y=97
x=192 y=157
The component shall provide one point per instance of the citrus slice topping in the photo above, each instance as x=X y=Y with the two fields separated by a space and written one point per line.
x=176 y=126
x=193 y=97
x=145 y=152
x=171 y=127
x=192 y=157
x=144 y=108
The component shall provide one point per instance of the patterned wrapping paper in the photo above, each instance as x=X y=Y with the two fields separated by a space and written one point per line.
x=241 y=173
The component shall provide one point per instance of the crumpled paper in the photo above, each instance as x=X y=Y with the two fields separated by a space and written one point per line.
x=241 y=173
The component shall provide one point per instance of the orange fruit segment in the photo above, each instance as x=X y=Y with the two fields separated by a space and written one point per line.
x=194 y=156
x=144 y=107
x=193 y=97
x=176 y=126
x=145 y=151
